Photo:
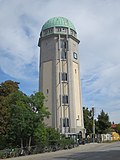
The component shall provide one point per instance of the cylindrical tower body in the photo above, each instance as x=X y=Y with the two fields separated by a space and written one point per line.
x=60 y=75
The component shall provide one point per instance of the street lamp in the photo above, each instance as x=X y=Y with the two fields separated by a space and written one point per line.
x=93 y=125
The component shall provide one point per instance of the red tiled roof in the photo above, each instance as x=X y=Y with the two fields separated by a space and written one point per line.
x=113 y=125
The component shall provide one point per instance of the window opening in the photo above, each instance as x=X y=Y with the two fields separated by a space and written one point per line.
x=65 y=99
x=63 y=44
x=47 y=91
x=64 y=76
x=65 y=122
x=63 y=55
x=75 y=55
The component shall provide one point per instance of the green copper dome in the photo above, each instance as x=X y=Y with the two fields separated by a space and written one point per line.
x=58 y=22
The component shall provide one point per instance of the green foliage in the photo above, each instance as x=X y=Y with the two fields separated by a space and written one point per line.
x=88 y=120
x=27 y=115
x=37 y=105
x=22 y=119
x=65 y=143
x=6 y=88
x=103 y=124
x=40 y=135
x=46 y=136
x=4 y=114
x=21 y=116
x=52 y=134
x=117 y=129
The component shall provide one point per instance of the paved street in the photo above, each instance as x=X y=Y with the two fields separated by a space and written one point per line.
x=101 y=151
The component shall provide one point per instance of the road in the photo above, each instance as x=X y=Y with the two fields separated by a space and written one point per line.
x=100 y=151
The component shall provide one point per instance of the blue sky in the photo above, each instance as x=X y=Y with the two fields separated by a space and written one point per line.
x=98 y=26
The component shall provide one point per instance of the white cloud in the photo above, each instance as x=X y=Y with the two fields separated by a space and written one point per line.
x=18 y=41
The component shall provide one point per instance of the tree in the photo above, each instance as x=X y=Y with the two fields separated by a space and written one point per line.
x=4 y=114
x=26 y=118
x=103 y=124
x=88 y=122
x=117 y=129
x=37 y=104
x=40 y=135
x=21 y=116
x=6 y=88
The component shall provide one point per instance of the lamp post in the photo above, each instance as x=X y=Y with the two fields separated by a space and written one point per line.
x=93 y=125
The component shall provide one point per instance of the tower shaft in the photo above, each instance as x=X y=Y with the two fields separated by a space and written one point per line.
x=60 y=77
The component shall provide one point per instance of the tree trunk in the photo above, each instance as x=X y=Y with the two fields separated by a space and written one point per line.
x=29 y=144
x=21 y=143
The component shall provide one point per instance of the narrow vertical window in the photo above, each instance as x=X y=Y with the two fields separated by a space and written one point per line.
x=65 y=99
x=64 y=44
x=65 y=122
x=63 y=55
x=75 y=71
x=64 y=76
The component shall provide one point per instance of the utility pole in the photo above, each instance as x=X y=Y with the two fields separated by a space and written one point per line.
x=93 y=125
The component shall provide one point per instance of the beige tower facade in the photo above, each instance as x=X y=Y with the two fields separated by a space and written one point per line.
x=59 y=77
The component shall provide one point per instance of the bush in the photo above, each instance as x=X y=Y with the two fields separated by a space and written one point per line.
x=66 y=143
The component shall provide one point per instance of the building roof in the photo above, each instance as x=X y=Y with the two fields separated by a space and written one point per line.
x=113 y=126
x=58 y=22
